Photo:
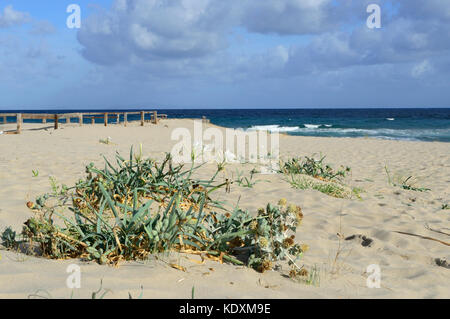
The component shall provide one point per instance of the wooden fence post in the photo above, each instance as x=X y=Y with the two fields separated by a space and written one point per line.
x=142 y=118
x=106 y=119
x=4 y=120
x=80 y=118
x=19 y=123
x=155 y=117
x=92 y=120
x=125 y=118
x=56 y=121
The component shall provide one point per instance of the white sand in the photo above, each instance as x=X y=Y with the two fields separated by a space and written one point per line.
x=408 y=267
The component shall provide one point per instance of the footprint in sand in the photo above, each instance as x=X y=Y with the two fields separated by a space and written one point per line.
x=363 y=240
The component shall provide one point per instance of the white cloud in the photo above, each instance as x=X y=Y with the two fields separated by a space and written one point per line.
x=288 y=16
x=421 y=68
x=186 y=35
x=11 y=17
x=155 y=29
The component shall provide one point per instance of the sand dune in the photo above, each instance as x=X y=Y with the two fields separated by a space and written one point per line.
x=368 y=227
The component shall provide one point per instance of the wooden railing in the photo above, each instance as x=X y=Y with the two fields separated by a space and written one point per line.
x=20 y=117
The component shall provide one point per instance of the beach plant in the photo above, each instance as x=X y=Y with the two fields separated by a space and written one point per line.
x=98 y=294
x=101 y=292
x=141 y=295
x=273 y=236
x=311 y=277
x=106 y=141
x=53 y=184
x=329 y=188
x=140 y=207
x=408 y=183
x=35 y=173
x=147 y=178
x=245 y=181
x=356 y=191
x=8 y=237
x=311 y=173
x=57 y=190
x=313 y=167
x=445 y=206
x=134 y=236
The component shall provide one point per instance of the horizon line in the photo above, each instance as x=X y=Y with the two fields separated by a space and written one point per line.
x=213 y=108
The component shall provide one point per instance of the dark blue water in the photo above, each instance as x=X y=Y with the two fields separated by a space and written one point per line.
x=402 y=124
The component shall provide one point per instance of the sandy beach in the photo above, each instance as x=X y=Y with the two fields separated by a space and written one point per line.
x=344 y=236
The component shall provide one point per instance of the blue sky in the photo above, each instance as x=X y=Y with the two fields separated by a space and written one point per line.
x=219 y=54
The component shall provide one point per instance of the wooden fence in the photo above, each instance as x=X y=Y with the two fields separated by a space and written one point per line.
x=20 y=117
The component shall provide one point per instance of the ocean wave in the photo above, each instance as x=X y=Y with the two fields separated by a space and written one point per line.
x=278 y=128
x=381 y=133
x=316 y=126
x=310 y=126
x=390 y=119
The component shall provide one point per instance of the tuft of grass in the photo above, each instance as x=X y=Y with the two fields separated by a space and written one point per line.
x=445 y=206
x=57 y=190
x=141 y=295
x=35 y=173
x=106 y=141
x=9 y=237
x=311 y=277
x=99 y=294
x=328 y=188
x=311 y=173
x=357 y=191
x=244 y=181
x=408 y=183
x=313 y=167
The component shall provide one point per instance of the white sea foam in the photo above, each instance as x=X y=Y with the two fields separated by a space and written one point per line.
x=274 y=128
x=310 y=126
x=384 y=133
x=390 y=119
x=381 y=133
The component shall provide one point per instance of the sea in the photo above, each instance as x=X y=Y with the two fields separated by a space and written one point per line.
x=431 y=124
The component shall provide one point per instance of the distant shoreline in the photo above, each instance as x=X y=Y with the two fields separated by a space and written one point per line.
x=33 y=126
x=416 y=124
